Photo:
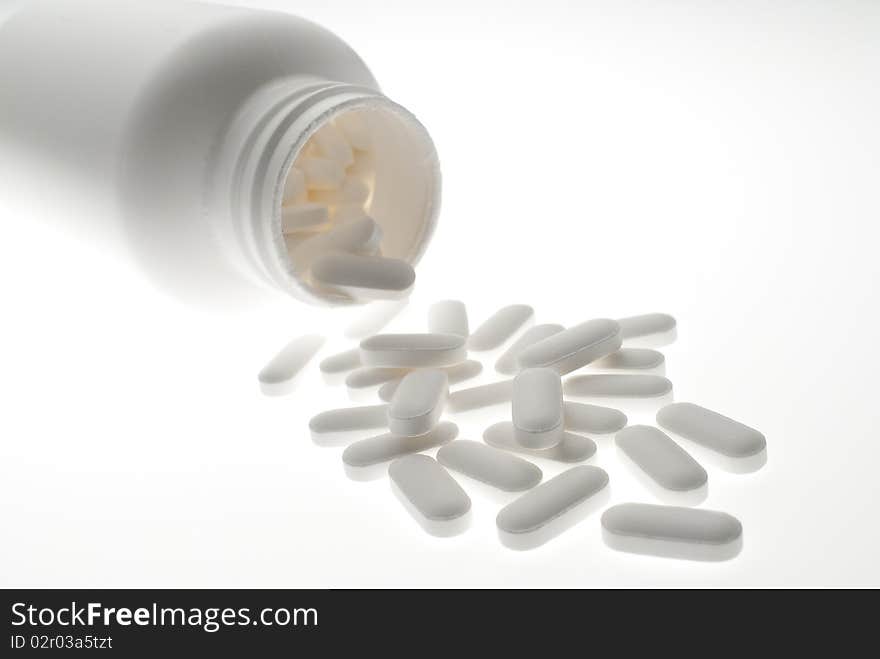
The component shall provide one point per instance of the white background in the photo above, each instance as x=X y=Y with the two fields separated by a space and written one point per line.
x=717 y=161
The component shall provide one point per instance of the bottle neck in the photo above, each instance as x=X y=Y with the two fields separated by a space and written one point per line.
x=267 y=137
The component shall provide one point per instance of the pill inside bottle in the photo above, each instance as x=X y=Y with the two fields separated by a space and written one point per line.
x=358 y=170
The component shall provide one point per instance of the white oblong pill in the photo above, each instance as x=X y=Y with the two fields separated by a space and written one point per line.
x=618 y=386
x=633 y=359
x=574 y=347
x=649 y=330
x=303 y=217
x=418 y=402
x=743 y=448
x=507 y=363
x=593 y=419
x=295 y=190
x=482 y=395
x=370 y=376
x=489 y=465
x=500 y=326
x=277 y=376
x=368 y=459
x=363 y=277
x=341 y=426
x=355 y=130
x=672 y=532
x=321 y=173
x=552 y=507
x=455 y=374
x=430 y=495
x=360 y=235
x=572 y=447
x=332 y=144
x=341 y=362
x=413 y=350
x=537 y=408
x=448 y=317
x=675 y=475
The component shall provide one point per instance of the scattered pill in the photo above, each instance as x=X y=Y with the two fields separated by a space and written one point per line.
x=413 y=350
x=482 y=395
x=667 y=464
x=414 y=372
x=277 y=376
x=341 y=362
x=363 y=277
x=574 y=347
x=322 y=173
x=455 y=374
x=489 y=465
x=448 y=317
x=358 y=236
x=335 y=427
x=632 y=359
x=594 y=419
x=507 y=363
x=373 y=376
x=537 y=408
x=303 y=217
x=552 y=507
x=430 y=495
x=295 y=190
x=618 y=386
x=672 y=532
x=743 y=448
x=418 y=402
x=572 y=448
x=653 y=329
x=500 y=326
x=367 y=459
x=332 y=144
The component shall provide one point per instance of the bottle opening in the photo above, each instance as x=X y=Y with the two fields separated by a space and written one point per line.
x=365 y=180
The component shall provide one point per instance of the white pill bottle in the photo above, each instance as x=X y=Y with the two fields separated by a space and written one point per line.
x=177 y=125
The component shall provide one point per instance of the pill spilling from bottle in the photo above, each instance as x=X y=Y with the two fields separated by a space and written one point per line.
x=420 y=382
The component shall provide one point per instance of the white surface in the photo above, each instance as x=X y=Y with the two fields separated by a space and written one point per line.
x=717 y=162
